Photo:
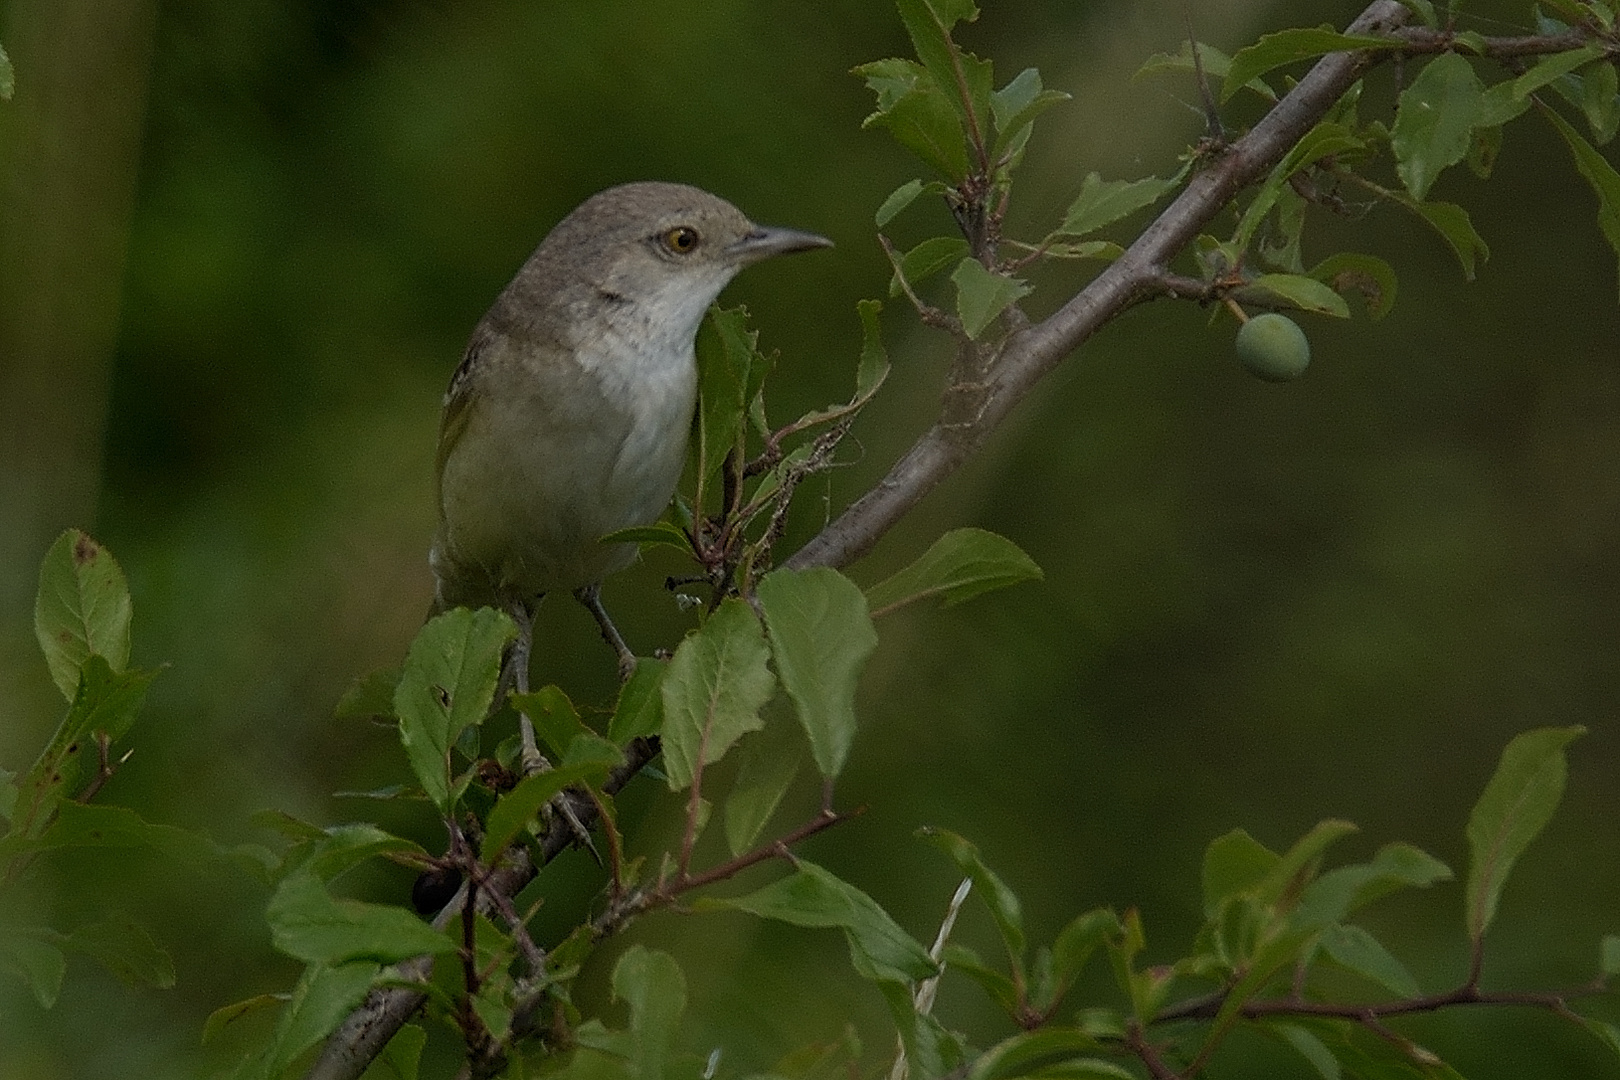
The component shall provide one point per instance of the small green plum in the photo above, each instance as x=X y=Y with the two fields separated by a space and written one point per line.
x=1273 y=347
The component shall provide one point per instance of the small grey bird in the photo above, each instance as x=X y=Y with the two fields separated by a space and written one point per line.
x=568 y=417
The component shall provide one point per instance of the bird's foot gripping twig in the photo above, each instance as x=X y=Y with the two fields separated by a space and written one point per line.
x=591 y=597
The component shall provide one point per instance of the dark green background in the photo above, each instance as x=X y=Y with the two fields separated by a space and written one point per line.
x=242 y=243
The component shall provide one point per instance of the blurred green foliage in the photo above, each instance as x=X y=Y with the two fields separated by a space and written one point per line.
x=1262 y=605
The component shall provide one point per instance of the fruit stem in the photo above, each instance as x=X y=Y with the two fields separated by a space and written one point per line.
x=1238 y=312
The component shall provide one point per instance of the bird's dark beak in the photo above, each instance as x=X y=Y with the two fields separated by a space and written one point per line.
x=763 y=242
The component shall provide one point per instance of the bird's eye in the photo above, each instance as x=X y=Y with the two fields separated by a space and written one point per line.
x=680 y=241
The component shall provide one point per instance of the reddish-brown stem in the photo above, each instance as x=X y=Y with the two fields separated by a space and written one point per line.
x=1205 y=1008
x=1136 y=1042
x=734 y=866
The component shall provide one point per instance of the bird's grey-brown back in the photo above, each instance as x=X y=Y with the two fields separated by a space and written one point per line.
x=569 y=415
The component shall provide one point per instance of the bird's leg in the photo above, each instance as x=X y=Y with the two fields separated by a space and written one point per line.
x=530 y=757
x=516 y=671
x=591 y=597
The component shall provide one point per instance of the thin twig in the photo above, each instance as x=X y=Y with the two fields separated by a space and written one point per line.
x=1209 y=1006
x=627 y=907
x=362 y=1036
x=1212 y=112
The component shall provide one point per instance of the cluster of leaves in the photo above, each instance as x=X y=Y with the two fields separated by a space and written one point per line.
x=82 y=620
x=943 y=110
x=801 y=637
x=1274 y=920
x=1271 y=955
x=745 y=472
x=1445 y=115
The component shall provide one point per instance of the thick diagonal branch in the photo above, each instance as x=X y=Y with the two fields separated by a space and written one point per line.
x=1030 y=354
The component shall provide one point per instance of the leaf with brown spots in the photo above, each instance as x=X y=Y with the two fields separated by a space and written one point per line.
x=82 y=609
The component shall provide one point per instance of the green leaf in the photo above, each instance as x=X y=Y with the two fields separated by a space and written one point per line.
x=1606 y=1033
x=1216 y=64
x=226 y=1015
x=652 y=984
x=812 y=897
x=8 y=77
x=518 y=807
x=1605 y=182
x=927 y=259
x=1323 y=140
x=1355 y=949
x=1609 y=954
x=592 y=749
x=447 y=685
x=1016 y=105
x=1294 y=290
x=371 y=696
x=1434 y=123
x=870 y=374
x=713 y=690
x=918 y=113
x=998 y=986
x=900 y=198
x=1297 y=864
x=1234 y=863
x=1033 y=1053
x=1516 y=805
x=1498 y=105
x=1340 y=892
x=556 y=721
x=964 y=77
x=1280 y=248
x=931 y=1051
x=401 y=1059
x=126 y=950
x=1551 y=68
x=1310 y=1048
x=82 y=607
x=308 y=924
x=640 y=709
x=37 y=963
x=318 y=1004
x=1001 y=900
x=1103 y=202
x=873 y=369
x=81 y=825
x=959 y=566
x=1287 y=47
x=1600 y=101
x=106 y=702
x=726 y=351
x=821 y=636
x=1145 y=989
x=340 y=847
x=770 y=762
x=1075 y=945
x=1455 y=228
x=1369 y=275
x=658 y=534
